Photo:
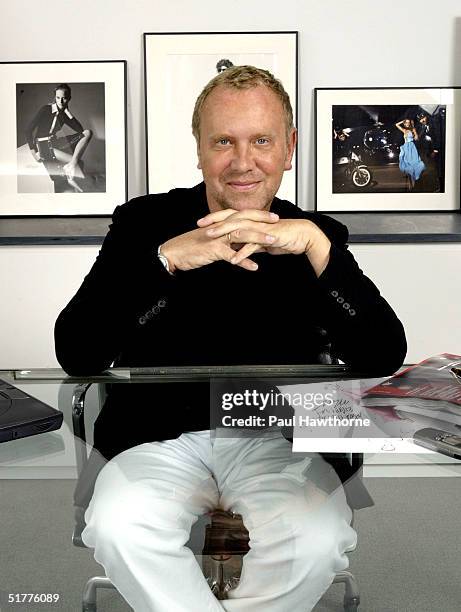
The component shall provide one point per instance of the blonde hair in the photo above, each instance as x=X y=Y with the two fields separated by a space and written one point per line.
x=243 y=77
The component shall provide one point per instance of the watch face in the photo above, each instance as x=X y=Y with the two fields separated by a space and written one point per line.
x=164 y=261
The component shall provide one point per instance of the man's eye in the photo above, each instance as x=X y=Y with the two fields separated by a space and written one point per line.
x=223 y=141
x=262 y=141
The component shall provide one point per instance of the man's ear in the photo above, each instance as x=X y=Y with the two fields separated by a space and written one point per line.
x=291 y=145
x=199 y=162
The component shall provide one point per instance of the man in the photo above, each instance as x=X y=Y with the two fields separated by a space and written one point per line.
x=429 y=146
x=61 y=156
x=197 y=276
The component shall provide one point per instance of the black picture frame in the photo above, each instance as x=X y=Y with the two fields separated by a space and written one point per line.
x=359 y=150
x=34 y=207
x=186 y=56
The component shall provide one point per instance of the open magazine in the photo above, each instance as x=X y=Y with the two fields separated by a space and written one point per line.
x=430 y=389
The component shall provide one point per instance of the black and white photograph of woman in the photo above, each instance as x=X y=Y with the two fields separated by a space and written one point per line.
x=60 y=138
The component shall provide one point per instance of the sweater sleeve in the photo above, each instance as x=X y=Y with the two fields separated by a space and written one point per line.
x=32 y=126
x=72 y=121
x=364 y=330
x=124 y=286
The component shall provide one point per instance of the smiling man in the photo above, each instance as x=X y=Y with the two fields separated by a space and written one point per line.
x=243 y=147
x=222 y=273
x=245 y=142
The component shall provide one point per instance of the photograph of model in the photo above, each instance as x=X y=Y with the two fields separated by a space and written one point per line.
x=60 y=138
x=388 y=149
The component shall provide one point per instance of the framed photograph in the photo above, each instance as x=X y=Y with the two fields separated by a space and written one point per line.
x=177 y=67
x=63 y=146
x=388 y=149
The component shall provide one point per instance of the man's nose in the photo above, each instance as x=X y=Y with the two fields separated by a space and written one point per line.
x=243 y=158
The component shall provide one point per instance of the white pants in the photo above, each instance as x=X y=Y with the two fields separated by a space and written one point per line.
x=147 y=498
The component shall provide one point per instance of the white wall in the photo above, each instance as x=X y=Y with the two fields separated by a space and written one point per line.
x=342 y=43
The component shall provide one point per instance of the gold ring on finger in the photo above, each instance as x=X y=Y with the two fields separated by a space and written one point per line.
x=229 y=237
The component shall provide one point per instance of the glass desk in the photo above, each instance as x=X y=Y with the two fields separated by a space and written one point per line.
x=37 y=480
x=186 y=373
x=53 y=454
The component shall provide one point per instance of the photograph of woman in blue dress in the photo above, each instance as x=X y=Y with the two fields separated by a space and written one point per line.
x=391 y=148
x=410 y=162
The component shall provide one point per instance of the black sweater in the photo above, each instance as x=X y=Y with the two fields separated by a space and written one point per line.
x=131 y=312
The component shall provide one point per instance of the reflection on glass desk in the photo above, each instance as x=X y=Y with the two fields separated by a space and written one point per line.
x=30 y=448
x=44 y=455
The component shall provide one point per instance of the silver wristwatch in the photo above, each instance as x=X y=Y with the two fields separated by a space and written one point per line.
x=164 y=260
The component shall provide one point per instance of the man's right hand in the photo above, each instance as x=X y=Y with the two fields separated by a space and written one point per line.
x=37 y=156
x=196 y=249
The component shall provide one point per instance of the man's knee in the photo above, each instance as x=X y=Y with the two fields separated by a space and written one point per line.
x=323 y=537
x=87 y=133
x=137 y=499
x=132 y=514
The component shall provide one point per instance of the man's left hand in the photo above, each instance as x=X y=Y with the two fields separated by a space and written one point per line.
x=290 y=236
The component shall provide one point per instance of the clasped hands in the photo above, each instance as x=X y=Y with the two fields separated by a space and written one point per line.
x=233 y=236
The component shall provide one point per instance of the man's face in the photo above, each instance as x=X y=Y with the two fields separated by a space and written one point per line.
x=243 y=150
x=62 y=98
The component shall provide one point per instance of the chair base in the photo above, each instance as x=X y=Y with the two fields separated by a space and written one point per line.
x=89 y=592
x=220 y=587
x=351 y=596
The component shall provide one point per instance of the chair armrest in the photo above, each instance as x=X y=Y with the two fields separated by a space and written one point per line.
x=79 y=515
x=84 y=487
x=78 y=410
x=78 y=423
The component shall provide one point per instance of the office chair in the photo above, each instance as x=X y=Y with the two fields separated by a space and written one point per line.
x=220 y=536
